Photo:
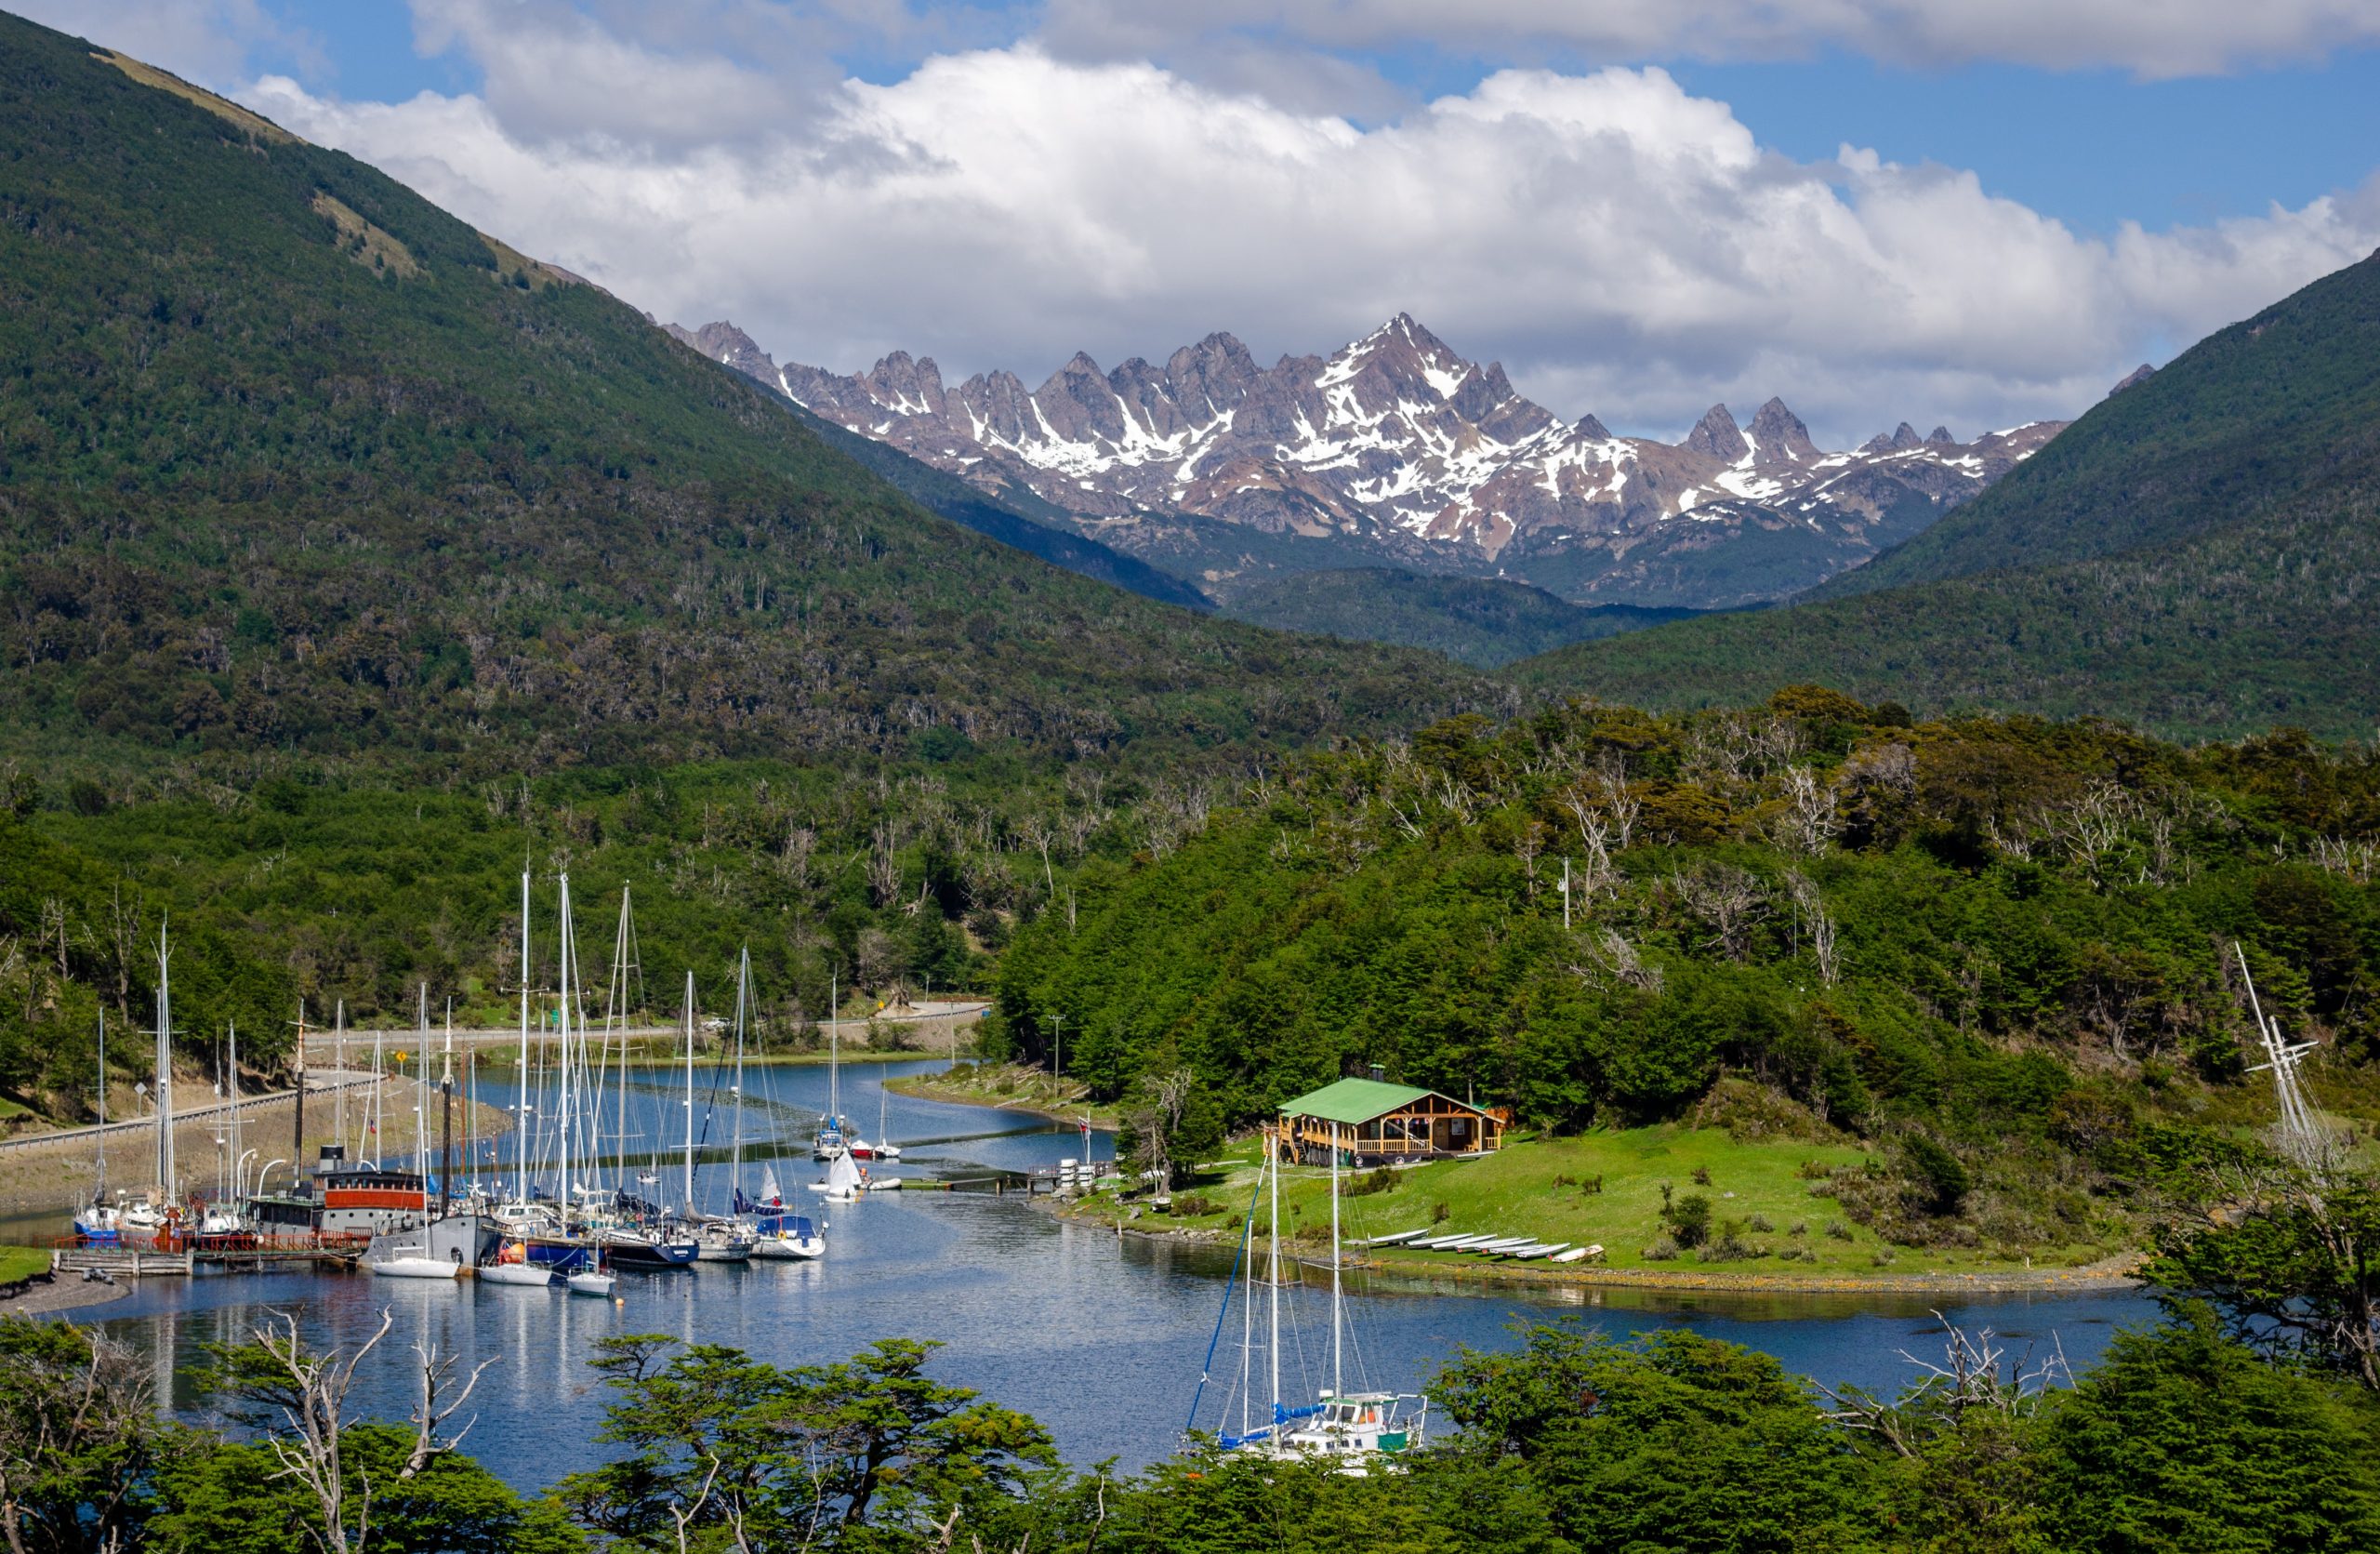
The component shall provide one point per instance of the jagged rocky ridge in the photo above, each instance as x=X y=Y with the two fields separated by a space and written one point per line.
x=1396 y=442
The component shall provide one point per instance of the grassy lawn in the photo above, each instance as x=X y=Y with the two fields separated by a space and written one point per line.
x=22 y=1262
x=1545 y=1188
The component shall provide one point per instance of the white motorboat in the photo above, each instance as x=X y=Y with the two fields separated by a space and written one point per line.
x=414 y=1268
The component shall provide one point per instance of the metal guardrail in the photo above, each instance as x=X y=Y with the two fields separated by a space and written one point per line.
x=198 y=1114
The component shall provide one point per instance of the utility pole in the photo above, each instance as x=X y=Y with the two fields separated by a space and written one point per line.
x=1057 y=1045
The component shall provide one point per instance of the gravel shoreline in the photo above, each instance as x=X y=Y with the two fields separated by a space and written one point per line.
x=46 y=1294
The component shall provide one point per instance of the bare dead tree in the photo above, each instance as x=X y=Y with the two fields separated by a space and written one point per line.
x=1618 y=801
x=1975 y=1375
x=1728 y=900
x=1614 y=957
x=437 y=1372
x=1822 y=927
x=1164 y=1098
x=884 y=865
x=1527 y=845
x=314 y=1401
x=125 y=939
x=1808 y=825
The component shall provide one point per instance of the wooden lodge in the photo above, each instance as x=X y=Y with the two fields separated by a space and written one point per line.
x=1371 y=1122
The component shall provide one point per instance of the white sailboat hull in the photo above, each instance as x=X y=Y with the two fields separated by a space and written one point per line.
x=592 y=1283
x=415 y=1267
x=526 y=1275
x=788 y=1249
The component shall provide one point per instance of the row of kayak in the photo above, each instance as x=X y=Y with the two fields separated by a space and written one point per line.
x=1518 y=1249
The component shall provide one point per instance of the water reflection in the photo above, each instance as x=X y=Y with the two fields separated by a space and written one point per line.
x=1102 y=1339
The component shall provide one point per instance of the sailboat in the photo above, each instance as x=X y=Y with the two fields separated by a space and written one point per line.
x=778 y=1235
x=660 y=1244
x=830 y=1143
x=844 y=1182
x=100 y=1223
x=729 y=1239
x=880 y=1149
x=1358 y=1430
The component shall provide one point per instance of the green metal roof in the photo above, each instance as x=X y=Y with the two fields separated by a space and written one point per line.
x=1353 y=1100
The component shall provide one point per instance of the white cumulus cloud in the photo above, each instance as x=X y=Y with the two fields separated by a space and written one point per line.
x=1624 y=246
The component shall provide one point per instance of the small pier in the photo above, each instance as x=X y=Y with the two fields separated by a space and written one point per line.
x=119 y=1262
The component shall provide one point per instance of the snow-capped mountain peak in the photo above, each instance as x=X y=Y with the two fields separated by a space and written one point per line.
x=1393 y=439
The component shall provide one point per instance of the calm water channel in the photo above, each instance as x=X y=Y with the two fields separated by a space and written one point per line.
x=1102 y=1340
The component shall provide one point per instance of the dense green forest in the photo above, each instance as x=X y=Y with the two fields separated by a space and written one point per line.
x=1482 y=621
x=290 y=461
x=299 y=883
x=2195 y=555
x=2005 y=941
x=1666 y=1443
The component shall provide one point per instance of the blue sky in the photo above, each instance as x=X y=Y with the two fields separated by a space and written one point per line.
x=1639 y=207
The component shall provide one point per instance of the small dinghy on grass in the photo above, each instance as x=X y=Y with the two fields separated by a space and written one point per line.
x=1578 y=1253
x=1399 y=1239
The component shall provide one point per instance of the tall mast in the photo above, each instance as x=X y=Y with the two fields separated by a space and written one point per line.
x=521 y=1080
x=165 y=1174
x=298 y=1115
x=735 y=1167
x=618 y=1004
x=100 y=1192
x=688 y=1007
x=421 y=1079
x=378 y=1099
x=446 y=1120
x=1273 y=1319
x=564 y=960
x=338 y=1061
x=1335 y=1322
x=834 y=1053
x=232 y=1151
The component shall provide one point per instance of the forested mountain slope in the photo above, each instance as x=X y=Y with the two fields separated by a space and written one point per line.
x=2009 y=939
x=2267 y=415
x=2196 y=555
x=290 y=459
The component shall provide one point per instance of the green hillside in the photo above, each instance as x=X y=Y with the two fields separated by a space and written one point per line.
x=2005 y=938
x=1482 y=621
x=2251 y=420
x=2253 y=626
x=292 y=461
x=2196 y=555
